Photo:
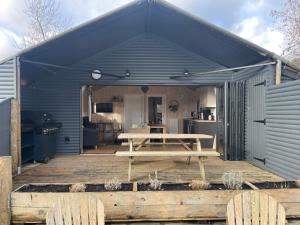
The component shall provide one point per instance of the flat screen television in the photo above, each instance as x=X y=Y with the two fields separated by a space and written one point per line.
x=104 y=108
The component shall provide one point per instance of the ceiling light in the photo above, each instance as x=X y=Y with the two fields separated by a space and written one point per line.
x=186 y=72
x=127 y=73
x=96 y=74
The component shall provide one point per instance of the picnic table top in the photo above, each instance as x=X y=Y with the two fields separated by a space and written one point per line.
x=163 y=136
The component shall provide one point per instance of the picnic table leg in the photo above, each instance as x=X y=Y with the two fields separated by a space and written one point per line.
x=201 y=166
x=129 y=168
x=191 y=147
x=131 y=145
x=131 y=148
x=141 y=144
x=199 y=149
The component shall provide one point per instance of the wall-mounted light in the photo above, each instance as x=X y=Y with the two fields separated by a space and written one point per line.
x=127 y=73
x=186 y=73
x=96 y=74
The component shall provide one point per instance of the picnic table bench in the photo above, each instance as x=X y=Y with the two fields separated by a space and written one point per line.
x=133 y=151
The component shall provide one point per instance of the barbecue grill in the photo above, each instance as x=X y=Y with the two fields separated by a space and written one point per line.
x=45 y=130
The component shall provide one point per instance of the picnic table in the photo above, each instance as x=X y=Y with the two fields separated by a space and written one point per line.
x=133 y=151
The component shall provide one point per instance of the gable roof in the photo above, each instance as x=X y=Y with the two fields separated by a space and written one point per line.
x=154 y=16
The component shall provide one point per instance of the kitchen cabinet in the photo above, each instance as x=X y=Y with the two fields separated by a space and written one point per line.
x=195 y=126
x=207 y=97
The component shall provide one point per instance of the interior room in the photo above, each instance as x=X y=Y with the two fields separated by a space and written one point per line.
x=108 y=111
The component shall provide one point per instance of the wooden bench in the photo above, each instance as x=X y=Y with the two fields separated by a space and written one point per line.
x=133 y=151
x=200 y=154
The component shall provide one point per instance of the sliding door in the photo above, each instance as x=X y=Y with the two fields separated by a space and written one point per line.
x=231 y=120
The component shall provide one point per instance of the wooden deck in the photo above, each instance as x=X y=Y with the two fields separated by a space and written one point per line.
x=96 y=168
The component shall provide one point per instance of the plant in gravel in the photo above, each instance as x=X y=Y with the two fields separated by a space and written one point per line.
x=233 y=180
x=113 y=184
x=199 y=185
x=155 y=183
x=77 y=187
x=284 y=185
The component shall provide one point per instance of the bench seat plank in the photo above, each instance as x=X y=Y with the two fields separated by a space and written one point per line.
x=167 y=153
x=163 y=136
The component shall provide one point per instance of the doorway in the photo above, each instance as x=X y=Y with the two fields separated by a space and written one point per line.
x=133 y=111
x=156 y=110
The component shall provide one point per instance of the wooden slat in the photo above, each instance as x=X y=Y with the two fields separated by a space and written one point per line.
x=58 y=213
x=238 y=208
x=5 y=189
x=92 y=211
x=255 y=208
x=75 y=211
x=163 y=136
x=281 y=215
x=247 y=207
x=50 y=217
x=100 y=213
x=66 y=210
x=230 y=213
x=272 y=211
x=167 y=153
x=264 y=209
x=84 y=209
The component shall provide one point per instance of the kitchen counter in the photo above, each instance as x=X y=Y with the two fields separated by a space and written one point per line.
x=196 y=126
x=202 y=121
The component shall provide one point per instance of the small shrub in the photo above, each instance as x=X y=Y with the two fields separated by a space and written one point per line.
x=77 y=188
x=199 y=185
x=155 y=184
x=284 y=185
x=113 y=184
x=233 y=180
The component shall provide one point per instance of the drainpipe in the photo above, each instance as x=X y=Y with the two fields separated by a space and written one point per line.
x=278 y=72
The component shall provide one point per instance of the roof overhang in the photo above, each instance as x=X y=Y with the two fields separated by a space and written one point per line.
x=154 y=16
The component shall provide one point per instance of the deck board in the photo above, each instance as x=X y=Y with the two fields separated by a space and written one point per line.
x=99 y=168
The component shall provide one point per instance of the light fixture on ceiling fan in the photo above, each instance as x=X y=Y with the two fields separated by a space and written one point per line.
x=96 y=74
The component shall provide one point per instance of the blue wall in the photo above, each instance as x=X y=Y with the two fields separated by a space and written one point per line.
x=151 y=61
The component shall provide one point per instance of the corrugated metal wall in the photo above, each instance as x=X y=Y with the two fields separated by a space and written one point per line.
x=236 y=121
x=283 y=129
x=8 y=73
x=150 y=59
x=255 y=98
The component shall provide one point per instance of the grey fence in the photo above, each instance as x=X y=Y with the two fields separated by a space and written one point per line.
x=283 y=129
x=5 y=109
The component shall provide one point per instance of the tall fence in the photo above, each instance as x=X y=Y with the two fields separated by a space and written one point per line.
x=283 y=129
x=5 y=115
x=10 y=132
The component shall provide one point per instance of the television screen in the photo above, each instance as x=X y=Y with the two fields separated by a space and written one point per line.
x=104 y=107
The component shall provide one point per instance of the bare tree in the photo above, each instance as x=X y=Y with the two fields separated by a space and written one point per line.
x=44 y=21
x=288 y=21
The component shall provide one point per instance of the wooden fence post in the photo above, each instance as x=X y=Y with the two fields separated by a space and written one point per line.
x=5 y=189
x=15 y=136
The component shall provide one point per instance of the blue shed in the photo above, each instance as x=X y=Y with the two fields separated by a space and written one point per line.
x=153 y=45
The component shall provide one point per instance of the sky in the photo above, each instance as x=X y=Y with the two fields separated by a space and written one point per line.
x=250 y=19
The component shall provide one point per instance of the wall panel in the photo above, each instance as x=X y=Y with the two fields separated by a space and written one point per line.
x=283 y=129
x=8 y=71
x=151 y=61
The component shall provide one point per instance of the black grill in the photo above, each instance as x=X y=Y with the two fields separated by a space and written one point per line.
x=41 y=125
